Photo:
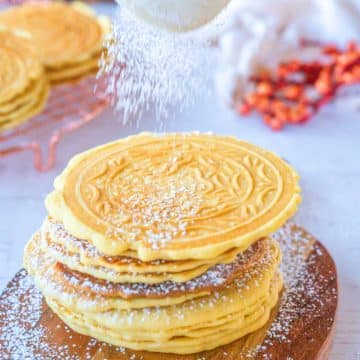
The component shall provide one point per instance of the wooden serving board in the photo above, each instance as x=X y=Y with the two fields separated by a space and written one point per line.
x=308 y=336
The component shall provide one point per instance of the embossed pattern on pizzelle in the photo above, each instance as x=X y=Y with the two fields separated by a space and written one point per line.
x=182 y=189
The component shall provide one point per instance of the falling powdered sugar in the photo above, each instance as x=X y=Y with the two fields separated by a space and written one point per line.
x=152 y=68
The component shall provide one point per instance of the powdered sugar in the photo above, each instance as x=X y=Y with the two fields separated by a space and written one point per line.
x=93 y=291
x=21 y=337
x=164 y=209
x=22 y=305
x=305 y=291
x=148 y=67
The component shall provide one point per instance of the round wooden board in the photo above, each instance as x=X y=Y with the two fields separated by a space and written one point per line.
x=308 y=336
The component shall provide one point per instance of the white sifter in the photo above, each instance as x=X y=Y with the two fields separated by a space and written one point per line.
x=168 y=55
x=175 y=15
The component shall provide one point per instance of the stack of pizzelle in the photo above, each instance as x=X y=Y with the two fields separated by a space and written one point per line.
x=24 y=87
x=41 y=43
x=69 y=37
x=161 y=242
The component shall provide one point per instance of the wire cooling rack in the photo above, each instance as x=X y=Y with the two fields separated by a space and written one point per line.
x=69 y=107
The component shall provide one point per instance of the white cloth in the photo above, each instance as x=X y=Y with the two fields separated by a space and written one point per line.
x=261 y=33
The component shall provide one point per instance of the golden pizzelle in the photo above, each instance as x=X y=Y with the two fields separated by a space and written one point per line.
x=160 y=242
x=155 y=320
x=23 y=88
x=32 y=91
x=205 y=335
x=218 y=277
x=174 y=196
x=14 y=65
x=81 y=256
x=69 y=37
x=25 y=112
x=74 y=72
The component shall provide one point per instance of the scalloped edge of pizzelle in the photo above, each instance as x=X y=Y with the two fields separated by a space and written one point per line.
x=57 y=208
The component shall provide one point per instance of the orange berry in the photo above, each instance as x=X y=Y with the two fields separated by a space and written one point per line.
x=244 y=109
x=291 y=92
x=252 y=99
x=263 y=104
x=264 y=88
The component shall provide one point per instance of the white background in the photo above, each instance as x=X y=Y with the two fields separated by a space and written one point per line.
x=326 y=153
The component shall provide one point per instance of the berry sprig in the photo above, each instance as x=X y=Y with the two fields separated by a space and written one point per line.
x=297 y=90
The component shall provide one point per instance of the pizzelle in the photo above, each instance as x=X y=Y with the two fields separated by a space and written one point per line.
x=42 y=43
x=83 y=257
x=154 y=317
x=24 y=87
x=32 y=91
x=69 y=37
x=161 y=242
x=175 y=196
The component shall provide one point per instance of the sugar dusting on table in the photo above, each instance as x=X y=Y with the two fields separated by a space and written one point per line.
x=24 y=338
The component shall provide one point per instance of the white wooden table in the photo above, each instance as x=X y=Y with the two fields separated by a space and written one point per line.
x=326 y=152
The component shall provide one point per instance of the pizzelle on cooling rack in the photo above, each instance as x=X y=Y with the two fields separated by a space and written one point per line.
x=49 y=54
x=69 y=38
x=24 y=87
x=161 y=242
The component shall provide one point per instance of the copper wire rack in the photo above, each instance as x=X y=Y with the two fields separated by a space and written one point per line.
x=69 y=107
